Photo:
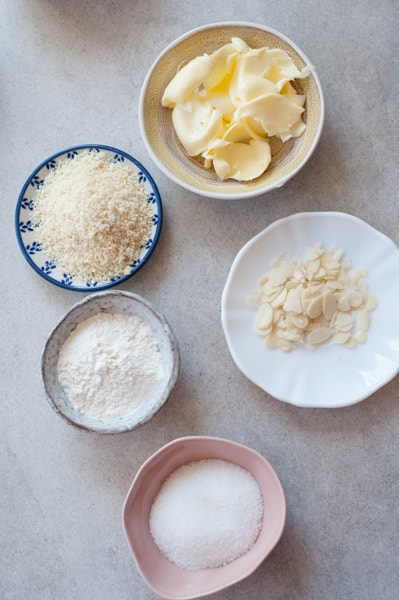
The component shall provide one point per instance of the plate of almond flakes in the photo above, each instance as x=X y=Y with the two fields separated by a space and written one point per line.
x=308 y=309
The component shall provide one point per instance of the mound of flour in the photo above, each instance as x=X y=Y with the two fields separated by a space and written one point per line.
x=109 y=365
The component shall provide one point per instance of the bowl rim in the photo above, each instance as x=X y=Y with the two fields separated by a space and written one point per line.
x=225 y=311
x=109 y=284
x=223 y=442
x=221 y=195
x=170 y=383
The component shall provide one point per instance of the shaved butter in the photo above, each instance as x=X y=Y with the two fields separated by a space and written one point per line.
x=226 y=105
x=207 y=70
x=198 y=123
x=242 y=161
x=186 y=81
x=275 y=113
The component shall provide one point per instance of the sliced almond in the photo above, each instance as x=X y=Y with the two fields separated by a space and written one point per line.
x=262 y=332
x=362 y=272
x=355 y=299
x=338 y=255
x=329 y=306
x=351 y=343
x=347 y=265
x=360 y=337
x=343 y=321
x=315 y=252
x=298 y=275
x=340 y=337
x=313 y=299
x=363 y=319
x=276 y=277
x=287 y=267
x=289 y=335
x=308 y=294
x=321 y=273
x=270 y=291
x=272 y=340
x=315 y=308
x=253 y=302
x=279 y=299
x=327 y=259
x=319 y=335
x=293 y=302
x=276 y=260
x=264 y=317
x=344 y=303
x=285 y=345
x=291 y=284
x=362 y=287
x=371 y=302
x=334 y=284
x=314 y=265
x=300 y=321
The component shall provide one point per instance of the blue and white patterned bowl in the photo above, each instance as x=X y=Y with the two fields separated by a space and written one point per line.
x=25 y=229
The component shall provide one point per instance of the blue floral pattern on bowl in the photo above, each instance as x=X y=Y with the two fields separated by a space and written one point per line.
x=25 y=229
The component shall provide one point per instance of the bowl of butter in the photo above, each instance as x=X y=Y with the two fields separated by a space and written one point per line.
x=231 y=110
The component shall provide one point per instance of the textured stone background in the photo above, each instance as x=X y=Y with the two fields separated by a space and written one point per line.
x=71 y=73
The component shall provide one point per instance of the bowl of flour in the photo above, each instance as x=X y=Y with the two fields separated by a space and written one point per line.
x=111 y=363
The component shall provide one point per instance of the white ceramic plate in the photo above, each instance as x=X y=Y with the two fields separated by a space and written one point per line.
x=332 y=375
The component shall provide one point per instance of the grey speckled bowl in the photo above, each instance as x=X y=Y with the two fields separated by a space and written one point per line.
x=110 y=302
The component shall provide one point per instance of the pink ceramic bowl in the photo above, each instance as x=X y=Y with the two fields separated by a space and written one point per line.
x=161 y=575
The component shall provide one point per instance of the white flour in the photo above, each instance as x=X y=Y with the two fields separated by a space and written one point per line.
x=109 y=365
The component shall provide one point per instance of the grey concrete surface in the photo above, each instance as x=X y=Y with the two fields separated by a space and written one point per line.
x=70 y=73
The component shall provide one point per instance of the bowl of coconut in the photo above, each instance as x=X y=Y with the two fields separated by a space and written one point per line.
x=202 y=514
x=231 y=110
x=88 y=217
x=110 y=363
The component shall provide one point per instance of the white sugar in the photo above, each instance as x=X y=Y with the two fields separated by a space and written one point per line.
x=206 y=514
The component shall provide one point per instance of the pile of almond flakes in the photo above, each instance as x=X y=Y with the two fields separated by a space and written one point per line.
x=315 y=300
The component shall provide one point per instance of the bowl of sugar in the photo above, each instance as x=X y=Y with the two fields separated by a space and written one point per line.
x=202 y=514
x=111 y=363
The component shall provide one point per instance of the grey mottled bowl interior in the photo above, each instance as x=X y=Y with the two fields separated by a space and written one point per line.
x=110 y=302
